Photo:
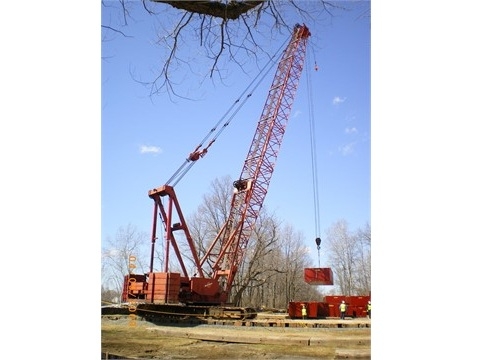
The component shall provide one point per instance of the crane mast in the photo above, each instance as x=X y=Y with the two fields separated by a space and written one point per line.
x=251 y=188
x=214 y=273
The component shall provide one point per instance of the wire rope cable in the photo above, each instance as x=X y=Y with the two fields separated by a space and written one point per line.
x=224 y=121
x=312 y=138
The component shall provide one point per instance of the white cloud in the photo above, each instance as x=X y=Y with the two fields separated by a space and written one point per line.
x=337 y=100
x=296 y=114
x=351 y=130
x=144 y=149
x=347 y=149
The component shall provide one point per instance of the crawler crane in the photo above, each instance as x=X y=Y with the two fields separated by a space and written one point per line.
x=207 y=290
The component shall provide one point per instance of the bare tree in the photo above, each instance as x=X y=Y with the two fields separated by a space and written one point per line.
x=224 y=32
x=363 y=278
x=342 y=255
x=350 y=258
x=206 y=223
x=257 y=269
x=109 y=296
x=295 y=257
x=116 y=261
x=211 y=214
x=273 y=265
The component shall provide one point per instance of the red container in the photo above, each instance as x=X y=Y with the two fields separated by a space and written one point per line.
x=333 y=310
x=294 y=310
x=315 y=309
x=312 y=310
x=322 y=310
x=356 y=305
x=318 y=276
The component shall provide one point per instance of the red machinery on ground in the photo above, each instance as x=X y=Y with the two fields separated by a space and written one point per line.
x=329 y=308
x=208 y=289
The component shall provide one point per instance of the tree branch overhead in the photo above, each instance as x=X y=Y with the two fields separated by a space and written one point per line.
x=222 y=42
x=231 y=10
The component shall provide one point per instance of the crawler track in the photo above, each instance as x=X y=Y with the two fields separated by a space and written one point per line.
x=166 y=312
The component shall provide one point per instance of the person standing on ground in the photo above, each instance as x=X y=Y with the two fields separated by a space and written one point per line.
x=369 y=309
x=342 y=309
x=304 y=313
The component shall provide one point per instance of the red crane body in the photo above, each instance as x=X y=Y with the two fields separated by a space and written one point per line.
x=215 y=271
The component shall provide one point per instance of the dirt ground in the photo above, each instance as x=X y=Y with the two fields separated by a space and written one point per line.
x=121 y=339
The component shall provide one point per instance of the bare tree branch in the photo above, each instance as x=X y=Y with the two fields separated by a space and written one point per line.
x=214 y=24
x=218 y=54
x=115 y=30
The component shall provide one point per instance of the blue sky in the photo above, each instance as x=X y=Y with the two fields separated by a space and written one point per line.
x=145 y=139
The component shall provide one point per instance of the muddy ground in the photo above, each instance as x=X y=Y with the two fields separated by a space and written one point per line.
x=144 y=340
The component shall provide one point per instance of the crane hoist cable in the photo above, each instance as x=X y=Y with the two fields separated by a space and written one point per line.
x=314 y=167
x=217 y=129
